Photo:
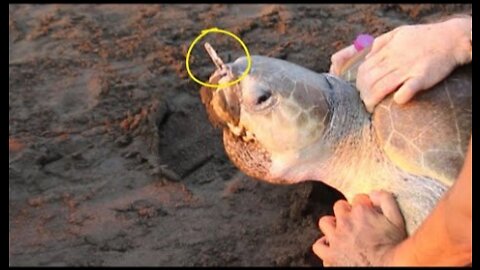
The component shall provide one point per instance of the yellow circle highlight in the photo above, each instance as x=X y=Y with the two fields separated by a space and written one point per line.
x=217 y=30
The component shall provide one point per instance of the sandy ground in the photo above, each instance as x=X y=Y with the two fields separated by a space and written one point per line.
x=111 y=158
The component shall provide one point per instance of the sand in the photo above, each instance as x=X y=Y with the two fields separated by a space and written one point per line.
x=112 y=161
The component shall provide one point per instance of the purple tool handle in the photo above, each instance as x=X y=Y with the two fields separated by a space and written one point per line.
x=362 y=41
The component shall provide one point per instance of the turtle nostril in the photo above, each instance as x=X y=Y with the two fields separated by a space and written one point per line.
x=264 y=97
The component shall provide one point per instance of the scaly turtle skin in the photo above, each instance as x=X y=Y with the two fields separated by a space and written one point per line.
x=285 y=124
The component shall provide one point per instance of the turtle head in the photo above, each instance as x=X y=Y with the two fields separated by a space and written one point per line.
x=273 y=120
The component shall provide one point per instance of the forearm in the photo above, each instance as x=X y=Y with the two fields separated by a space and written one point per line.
x=432 y=244
x=445 y=238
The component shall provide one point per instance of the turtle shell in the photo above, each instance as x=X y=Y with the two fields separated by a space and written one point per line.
x=428 y=135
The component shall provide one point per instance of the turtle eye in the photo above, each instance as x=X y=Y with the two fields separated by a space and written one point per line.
x=264 y=97
x=256 y=95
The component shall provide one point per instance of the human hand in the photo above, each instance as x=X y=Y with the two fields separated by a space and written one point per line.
x=359 y=234
x=413 y=58
x=409 y=58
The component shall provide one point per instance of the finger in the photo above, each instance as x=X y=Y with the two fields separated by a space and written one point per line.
x=334 y=70
x=379 y=42
x=382 y=87
x=372 y=63
x=344 y=54
x=369 y=72
x=408 y=90
x=340 y=58
x=341 y=208
x=321 y=248
x=389 y=207
x=335 y=62
x=327 y=225
x=362 y=199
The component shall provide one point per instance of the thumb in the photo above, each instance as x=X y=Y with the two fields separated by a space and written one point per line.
x=341 y=57
x=387 y=203
x=407 y=90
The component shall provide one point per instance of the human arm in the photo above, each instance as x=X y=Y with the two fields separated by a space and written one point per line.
x=360 y=235
x=445 y=238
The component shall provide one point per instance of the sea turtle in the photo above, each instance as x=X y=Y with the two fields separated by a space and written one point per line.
x=284 y=124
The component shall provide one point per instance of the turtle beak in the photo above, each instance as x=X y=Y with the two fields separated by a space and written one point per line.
x=226 y=105
x=223 y=105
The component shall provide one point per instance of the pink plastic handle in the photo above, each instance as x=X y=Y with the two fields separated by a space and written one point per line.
x=362 y=41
